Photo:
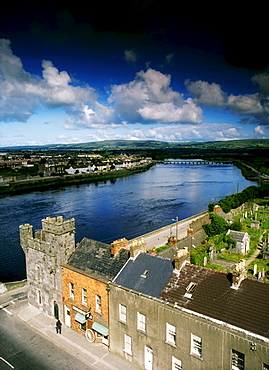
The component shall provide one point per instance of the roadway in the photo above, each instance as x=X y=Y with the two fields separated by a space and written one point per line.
x=23 y=348
x=159 y=238
x=28 y=341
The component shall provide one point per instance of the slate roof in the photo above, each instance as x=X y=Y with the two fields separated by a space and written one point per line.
x=246 y=307
x=94 y=259
x=147 y=274
x=237 y=235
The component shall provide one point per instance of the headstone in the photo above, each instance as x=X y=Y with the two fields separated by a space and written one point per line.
x=3 y=288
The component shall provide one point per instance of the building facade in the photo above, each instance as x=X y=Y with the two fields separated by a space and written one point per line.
x=242 y=241
x=85 y=304
x=85 y=278
x=203 y=319
x=45 y=250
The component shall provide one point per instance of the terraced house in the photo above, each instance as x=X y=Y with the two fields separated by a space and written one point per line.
x=198 y=319
x=85 y=279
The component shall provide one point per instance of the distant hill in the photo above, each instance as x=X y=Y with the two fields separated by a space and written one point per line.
x=147 y=145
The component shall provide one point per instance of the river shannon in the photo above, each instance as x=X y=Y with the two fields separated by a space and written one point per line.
x=126 y=207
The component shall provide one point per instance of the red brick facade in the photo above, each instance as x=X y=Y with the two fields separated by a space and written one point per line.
x=84 y=295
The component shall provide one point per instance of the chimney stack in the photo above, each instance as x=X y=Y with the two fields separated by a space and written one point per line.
x=182 y=256
x=117 y=245
x=217 y=209
x=137 y=246
x=239 y=273
x=190 y=232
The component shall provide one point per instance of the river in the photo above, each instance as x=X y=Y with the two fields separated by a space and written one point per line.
x=125 y=207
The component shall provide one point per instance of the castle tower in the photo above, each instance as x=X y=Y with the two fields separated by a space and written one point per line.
x=45 y=250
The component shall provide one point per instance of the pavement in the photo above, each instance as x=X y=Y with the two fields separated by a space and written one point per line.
x=96 y=355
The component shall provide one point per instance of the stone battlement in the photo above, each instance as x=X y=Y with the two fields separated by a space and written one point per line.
x=57 y=225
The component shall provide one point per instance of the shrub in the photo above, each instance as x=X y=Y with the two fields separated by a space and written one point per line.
x=217 y=226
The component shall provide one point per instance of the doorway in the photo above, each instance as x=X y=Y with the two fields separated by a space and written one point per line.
x=56 y=310
x=148 y=358
x=67 y=318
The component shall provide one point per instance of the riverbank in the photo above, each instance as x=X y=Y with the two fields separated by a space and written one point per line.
x=250 y=173
x=55 y=182
x=4 y=287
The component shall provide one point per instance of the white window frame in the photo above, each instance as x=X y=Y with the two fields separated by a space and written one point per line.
x=196 y=345
x=237 y=360
x=98 y=303
x=141 y=322
x=71 y=291
x=123 y=313
x=176 y=363
x=128 y=344
x=84 y=297
x=171 y=334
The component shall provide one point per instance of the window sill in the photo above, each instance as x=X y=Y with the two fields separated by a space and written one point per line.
x=171 y=344
x=128 y=352
x=123 y=322
x=142 y=331
x=196 y=356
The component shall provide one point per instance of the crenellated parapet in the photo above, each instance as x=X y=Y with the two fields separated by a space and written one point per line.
x=56 y=236
x=57 y=226
x=137 y=245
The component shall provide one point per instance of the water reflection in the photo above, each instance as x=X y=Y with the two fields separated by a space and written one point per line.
x=125 y=207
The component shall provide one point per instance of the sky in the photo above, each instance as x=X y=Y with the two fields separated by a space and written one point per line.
x=136 y=70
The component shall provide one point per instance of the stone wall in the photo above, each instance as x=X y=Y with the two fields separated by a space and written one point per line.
x=45 y=250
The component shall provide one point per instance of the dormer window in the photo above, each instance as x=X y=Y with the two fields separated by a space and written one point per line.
x=145 y=273
x=190 y=289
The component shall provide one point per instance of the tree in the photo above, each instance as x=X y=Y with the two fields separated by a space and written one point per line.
x=236 y=226
x=217 y=226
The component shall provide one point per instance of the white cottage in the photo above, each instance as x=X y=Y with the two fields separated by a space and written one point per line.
x=242 y=241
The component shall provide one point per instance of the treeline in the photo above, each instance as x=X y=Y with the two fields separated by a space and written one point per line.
x=236 y=200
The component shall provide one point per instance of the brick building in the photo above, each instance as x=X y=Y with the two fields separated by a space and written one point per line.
x=85 y=279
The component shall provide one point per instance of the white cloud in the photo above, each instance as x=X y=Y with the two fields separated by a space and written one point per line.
x=168 y=112
x=97 y=117
x=130 y=56
x=22 y=93
x=169 y=58
x=189 y=132
x=206 y=93
x=247 y=104
x=263 y=81
x=149 y=98
x=255 y=105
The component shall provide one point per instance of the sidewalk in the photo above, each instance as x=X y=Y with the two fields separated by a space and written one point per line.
x=94 y=354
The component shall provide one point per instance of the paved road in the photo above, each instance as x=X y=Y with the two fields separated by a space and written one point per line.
x=28 y=341
x=160 y=237
x=23 y=348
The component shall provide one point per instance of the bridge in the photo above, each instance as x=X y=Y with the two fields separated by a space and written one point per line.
x=195 y=162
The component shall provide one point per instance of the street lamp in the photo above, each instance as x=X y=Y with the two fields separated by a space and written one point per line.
x=176 y=227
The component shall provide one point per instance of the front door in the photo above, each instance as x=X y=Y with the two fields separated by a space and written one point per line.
x=148 y=358
x=67 y=318
x=56 y=310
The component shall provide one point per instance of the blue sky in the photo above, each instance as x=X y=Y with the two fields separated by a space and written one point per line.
x=138 y=70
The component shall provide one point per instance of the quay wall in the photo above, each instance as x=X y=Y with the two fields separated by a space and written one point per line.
x=195 y=222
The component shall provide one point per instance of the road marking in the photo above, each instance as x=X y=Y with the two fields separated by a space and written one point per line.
x=1 y=358
x=7 y=311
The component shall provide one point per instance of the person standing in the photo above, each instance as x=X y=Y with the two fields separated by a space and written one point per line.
x=58 y=327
